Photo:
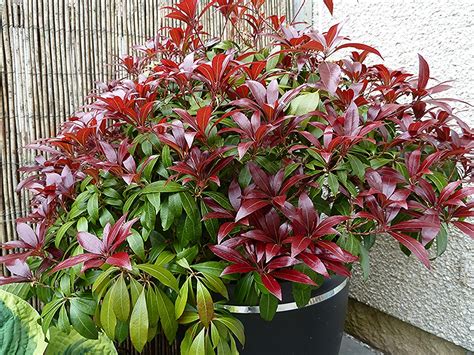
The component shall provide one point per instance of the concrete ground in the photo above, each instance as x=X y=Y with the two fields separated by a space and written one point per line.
x=353 y=346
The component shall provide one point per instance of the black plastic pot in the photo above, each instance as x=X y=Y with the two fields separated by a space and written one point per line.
x=314 y=329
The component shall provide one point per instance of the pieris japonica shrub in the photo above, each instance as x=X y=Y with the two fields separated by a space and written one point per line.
x=249 y=159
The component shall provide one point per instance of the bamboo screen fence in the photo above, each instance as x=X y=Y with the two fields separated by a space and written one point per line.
x=51 y=54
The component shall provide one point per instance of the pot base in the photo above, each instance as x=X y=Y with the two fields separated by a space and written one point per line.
x=314 y=329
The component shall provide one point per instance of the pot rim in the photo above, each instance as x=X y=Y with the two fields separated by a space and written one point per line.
x=290 y=306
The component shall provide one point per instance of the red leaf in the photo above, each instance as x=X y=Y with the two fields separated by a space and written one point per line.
x=237 y=269
x=330 y=5
x=120 y=259
x=227 y=254
x=423 y=73
x=74 y=260
x=330 y=75
x=250 y=206
x=351 y=120
x=224 y=230
x=271 y=285
x=465 y=227
x=294 y=276
x=26 y=233
x=414 y=246
x=338 y=268
x=90 y=242
x=360 y=46
x=299 y=244
x=258 y=91
x=314 y=263
x=281 y=262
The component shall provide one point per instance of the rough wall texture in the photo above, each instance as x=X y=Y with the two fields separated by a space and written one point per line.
x=441 y=300
x=383 y=331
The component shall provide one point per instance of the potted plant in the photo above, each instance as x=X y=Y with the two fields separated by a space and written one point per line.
x=234 y=181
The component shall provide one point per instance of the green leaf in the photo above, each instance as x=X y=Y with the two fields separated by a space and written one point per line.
x=235 y=326
x=376 y=163
x=212 y=225
x=301 y=293
x=357 y=167
x=63 y=319
x=198 y=344
x=333 y=183
x=139 y=323
x=106 y=217
x=167 y=315
x=147 y=148
x=175 y=205
x=83 y=323
x=161 y=274
x=268 y=306
x=152 y=306
x=205 y=305
x=136 y=243
x=108 y=320
x=93 y=207
x=166 y=156
x=438 y=179
x=304 y=103
x=166 y=216
x=82 y=225
x=102 y=280
x=121 y=331
x=351 y=244
x=219 y=198
x=210 y=267
x=442 y=240
x=72 y=343
x=155 y=200
x=49 y=311
x=120 y=299
x=182 y=299
x=135 y=290
x=162 y=186
x=61 y=232
x=187 y=231
x=20 y=289
x=189 y=204
x=20 y=332
x=84 y=304
x=215 y=337
x=215 y=284
x=128 y=204
x=273 y=59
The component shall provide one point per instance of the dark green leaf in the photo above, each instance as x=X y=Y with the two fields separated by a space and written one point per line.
x=108 y=320
x=83 y=323
x=167 y=315
x=139 y=323
x=162 y=186
x=198 y=344
x=120 y=299
x=442 y=240
x=268 y=306
x=93 y=207
x=160 y=273
x=205 y=305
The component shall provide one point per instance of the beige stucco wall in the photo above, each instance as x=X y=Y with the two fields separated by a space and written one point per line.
x=441 y=300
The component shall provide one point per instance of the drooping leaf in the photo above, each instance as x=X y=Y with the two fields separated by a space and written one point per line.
x=120 y=299
x=268 y=306
x=139 y=323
